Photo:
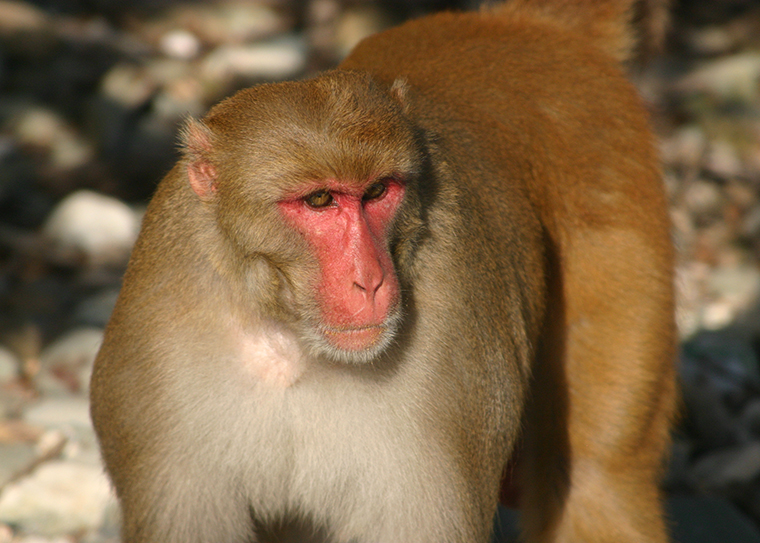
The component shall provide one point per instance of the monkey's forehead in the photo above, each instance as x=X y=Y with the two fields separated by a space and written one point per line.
x=340 y=104
x=272 y=176
x=287 y=136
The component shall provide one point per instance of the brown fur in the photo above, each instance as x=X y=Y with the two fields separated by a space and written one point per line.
x=534 y=257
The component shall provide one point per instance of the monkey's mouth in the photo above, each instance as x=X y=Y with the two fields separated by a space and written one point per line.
x=354 y=339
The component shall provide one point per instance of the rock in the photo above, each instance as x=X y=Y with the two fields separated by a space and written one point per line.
x=60 y=497
x=685 y=147
x=711 y=241
x=128 y=85
x=13 y=458
x=10 y=365
x=684 y=231
x=722 y=160
x=750 y=227
x=704 y=200
x=180 y=98
x=60 y=412
x=729 y=79
x=717 y=314
x=45 y=129
x=356 y=23
x=750 y=417
x=21 y=17
x=712 y=40
x=180 y=44
x=735 y=289
x=95 y=310
x=729 y=472
x=66 y=364
x=229 y=21
x=719 y=376
x=691 y=281
x=742 y=194
x=275 y=60
x=38 y=539
x=90 y=227
x=727 y=359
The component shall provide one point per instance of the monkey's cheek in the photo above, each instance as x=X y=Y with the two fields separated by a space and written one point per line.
x=354 y=339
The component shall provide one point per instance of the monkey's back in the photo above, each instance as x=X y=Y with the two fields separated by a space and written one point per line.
x=543 y=112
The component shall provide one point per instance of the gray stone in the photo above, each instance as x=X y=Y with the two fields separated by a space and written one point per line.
x=13 y=458
x=9 y=365
x=93 y=228
x=60 y=497
x=60 y=412
x=66 y=364
x=94 y=311
x=729 y=472
x=728 y=78
x=275 y=60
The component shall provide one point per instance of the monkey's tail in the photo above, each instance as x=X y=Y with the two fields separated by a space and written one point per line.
x=628 y=30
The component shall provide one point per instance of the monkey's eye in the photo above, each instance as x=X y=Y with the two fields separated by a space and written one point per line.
x=374 y=191
x=318 y=199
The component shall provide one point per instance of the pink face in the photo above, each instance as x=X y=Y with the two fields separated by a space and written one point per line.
x=347 y=226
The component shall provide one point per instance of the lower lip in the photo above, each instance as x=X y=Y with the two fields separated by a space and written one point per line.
x=356 y=339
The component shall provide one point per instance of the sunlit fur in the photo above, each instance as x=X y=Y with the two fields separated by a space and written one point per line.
x=534 y=319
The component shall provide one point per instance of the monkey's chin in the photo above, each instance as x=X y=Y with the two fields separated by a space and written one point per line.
x=358 y=345
x=354 y=339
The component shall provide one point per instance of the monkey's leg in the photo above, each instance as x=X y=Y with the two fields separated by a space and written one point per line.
x=603 y=395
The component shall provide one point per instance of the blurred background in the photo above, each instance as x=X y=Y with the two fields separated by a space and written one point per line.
x=91 y=94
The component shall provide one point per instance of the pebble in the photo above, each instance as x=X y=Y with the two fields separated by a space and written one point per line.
x=729 y=78
x=275 y=60
x=685 y=147
x=66 y=364
x=750 y=417
x=355 y=24
x=14 y=457
x=60 y=497
x=230 y=21
x=691 y=280
x=180 y=44
x=17 y=16
x=91 y=228
x=44 y=128
x=60 y=412
x=736 y=289
x=128 y=85
x=729 y=472
x=722 y=159
x=95 y=310
x=719 y=376
x=10 y=365
x=704 y=201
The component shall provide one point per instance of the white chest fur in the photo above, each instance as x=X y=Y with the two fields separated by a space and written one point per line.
x=271 y=355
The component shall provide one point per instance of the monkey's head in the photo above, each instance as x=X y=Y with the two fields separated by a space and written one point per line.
x=313 y=187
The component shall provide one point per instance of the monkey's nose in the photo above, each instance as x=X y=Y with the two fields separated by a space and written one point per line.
x=369 y=286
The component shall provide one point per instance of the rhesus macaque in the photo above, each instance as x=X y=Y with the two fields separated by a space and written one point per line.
x=357 y=295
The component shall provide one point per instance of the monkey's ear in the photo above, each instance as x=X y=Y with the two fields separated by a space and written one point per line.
x=400 y=93
x=197 y=145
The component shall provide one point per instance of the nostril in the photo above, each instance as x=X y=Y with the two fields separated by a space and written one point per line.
x=371 y=285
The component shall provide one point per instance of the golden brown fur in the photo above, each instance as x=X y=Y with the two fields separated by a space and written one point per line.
x=534 y=258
